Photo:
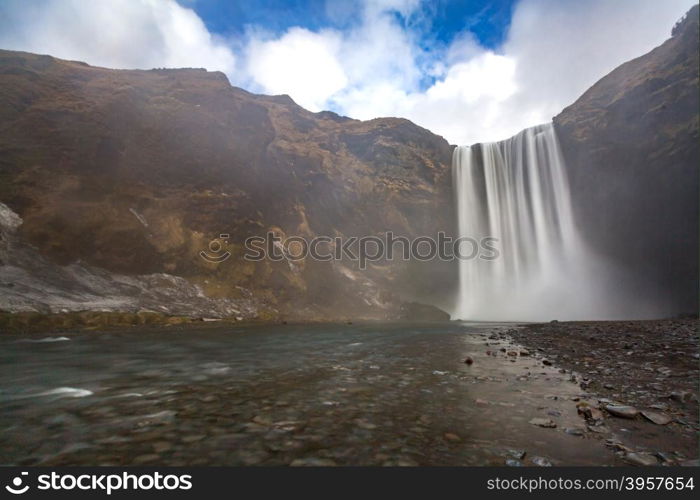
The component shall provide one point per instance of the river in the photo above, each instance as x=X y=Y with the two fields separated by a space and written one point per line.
x=320 y=394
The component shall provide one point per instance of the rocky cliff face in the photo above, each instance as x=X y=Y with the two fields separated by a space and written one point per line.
x=631 y=144
x=135 y=172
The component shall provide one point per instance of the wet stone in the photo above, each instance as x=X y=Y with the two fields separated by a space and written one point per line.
x=641 y=459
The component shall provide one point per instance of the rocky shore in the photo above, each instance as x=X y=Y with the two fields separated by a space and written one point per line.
x=639 y=382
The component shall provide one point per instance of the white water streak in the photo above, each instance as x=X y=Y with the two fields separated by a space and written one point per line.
x=517 y=191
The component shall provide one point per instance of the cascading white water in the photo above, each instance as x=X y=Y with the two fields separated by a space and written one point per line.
x=517 y=192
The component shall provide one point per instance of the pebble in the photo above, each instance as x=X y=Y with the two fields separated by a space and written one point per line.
x=363 y=424
x=193 y=438
x=162 y=446
x=313 y=462
x=543 y=422
x=622 y=411
x=655 y=417
x=641 y=459
x=449 y=436
x=541 y=462
x=144 y=459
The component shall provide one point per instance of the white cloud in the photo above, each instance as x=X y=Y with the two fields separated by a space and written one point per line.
x=554 y=51
x=378 y=65
x=114 y=33
x=300 y=63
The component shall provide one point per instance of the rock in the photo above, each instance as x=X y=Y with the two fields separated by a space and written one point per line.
x=414 y=311
x=262 y=420
x=681 y=396
x=543 y=422
x=517 y=454
x=468 y=361
x=641 y=459
x=655 y=417
x=588 y=412
x=617 y=446
x=574 y=431
x=541 y=462
x=524 y=352
x=546 y=362
x=665 y=457
x=512 y=353
x=622 y=411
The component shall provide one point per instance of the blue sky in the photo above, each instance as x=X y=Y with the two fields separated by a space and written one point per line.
x=441 y=20
x=469 y=70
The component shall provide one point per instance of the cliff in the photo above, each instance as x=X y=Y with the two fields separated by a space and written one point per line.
x=135 y=172
x=631 y=144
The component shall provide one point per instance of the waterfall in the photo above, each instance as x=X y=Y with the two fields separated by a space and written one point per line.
x=517 y=192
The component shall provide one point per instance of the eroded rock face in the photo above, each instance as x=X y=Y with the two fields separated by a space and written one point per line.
x=631 y=146
x=135 y=172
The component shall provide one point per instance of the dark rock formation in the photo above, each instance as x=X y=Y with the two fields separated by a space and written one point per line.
x=631 y=146
x=413 y=311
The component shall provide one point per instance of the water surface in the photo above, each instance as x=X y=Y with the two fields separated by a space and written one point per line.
x=364 y=394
